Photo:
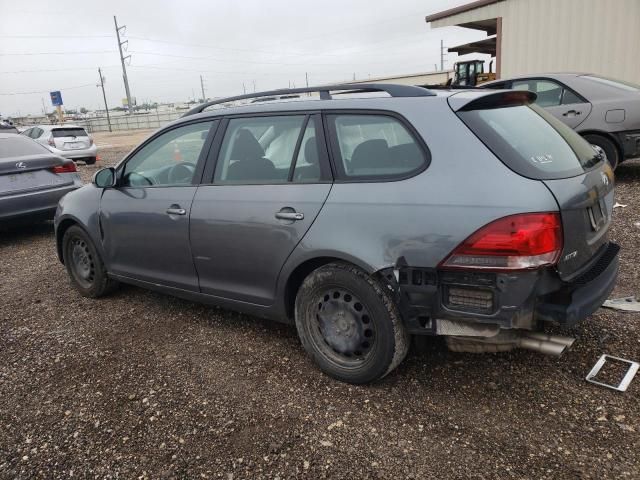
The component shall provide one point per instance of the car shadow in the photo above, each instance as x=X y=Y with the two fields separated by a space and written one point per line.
x=628 y=171
x=19 y=232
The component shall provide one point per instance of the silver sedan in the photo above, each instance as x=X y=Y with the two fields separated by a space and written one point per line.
x=68 y=141
x=604 y=111
x=32 y=179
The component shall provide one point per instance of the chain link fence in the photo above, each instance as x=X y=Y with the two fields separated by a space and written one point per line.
x=129 y=122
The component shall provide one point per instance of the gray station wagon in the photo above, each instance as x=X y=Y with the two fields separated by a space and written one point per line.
x=363 y=214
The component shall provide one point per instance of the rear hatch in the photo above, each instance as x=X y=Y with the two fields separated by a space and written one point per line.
x=536 y=145
x=70 y=138
x=26 y=165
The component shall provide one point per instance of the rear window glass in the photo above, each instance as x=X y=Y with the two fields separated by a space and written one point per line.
x=17 y=146
x=531 y=142
x=630 y=87
x=68 y=132
x=371 y=146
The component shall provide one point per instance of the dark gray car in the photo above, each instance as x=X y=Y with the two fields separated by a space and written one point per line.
x=363 y=220
x=32 y=179
x=606 y=112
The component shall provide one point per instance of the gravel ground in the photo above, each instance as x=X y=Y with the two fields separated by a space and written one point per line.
x=141 y=385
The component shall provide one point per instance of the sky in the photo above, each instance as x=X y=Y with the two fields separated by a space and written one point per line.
x=235 y=45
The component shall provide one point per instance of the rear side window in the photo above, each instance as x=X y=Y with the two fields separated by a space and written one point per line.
x=68 y=132
x=374 y=147
x=269 y=150
x=531 y=142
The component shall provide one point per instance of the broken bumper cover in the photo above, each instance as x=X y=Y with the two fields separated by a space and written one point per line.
x=431 y=300
x=583 y=296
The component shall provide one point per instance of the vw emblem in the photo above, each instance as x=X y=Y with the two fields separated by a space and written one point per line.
x=605 y=179
x=21 y=165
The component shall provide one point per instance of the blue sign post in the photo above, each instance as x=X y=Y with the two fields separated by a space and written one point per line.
x=56 y=98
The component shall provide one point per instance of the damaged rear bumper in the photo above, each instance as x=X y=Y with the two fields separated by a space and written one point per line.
x=481 y=304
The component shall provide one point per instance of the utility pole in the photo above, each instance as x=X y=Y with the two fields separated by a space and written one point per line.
x=104 y=96
x=442 y=54
x=244 y=89
x=306 y=79
x=204 y=99
x=124 y=68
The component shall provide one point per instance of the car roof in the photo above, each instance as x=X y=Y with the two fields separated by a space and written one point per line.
x=557 y=75
x=54 y=127
x=369 y=102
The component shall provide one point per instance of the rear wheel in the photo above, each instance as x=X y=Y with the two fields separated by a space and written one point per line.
x=349 y=324
x=84 y=264
x=606 y=144
x=90 y=160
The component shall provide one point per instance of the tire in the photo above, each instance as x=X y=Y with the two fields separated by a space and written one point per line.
x=349 y=324
x=84 y=265
x=609 y=147
x=90 y=160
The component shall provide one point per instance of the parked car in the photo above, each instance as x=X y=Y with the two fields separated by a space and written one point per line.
x=471 y=214
x=604 y=111
x=68 y=141
x=32 y=179
x=6 y=128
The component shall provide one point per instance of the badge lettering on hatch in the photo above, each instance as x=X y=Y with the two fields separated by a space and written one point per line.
x=21 y=165
x=571 y=255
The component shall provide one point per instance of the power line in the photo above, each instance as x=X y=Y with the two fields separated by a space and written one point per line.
x=56 y=36
x=89 y=52
x=47 y=91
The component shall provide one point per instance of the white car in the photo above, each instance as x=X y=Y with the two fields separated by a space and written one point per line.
x=68 y=141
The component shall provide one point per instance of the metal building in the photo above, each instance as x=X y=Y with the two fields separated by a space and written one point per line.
x=535 y=36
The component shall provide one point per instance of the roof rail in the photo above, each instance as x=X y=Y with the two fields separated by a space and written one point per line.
x=325 y=93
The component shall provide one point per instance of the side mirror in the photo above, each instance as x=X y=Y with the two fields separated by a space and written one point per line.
x=105 y=178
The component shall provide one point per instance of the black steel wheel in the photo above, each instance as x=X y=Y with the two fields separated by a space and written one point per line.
x=343 y=329
x=84 y=264
x=349 y=324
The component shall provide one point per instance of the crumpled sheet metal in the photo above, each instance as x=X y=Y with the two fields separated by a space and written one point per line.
x=627 y=304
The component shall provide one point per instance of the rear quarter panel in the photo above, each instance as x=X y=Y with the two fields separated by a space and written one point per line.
x=425 y=217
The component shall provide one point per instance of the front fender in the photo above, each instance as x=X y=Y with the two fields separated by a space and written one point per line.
x=80 y=207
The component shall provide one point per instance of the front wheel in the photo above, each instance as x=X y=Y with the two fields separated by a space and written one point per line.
x=349 y=324
x=84 y=265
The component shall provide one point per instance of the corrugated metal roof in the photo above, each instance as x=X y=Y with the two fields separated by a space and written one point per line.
x=460 y=9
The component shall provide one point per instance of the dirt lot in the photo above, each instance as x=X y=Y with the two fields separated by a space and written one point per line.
x=140 y=385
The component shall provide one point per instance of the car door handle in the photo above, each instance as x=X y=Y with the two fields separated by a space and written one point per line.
x=290 y=216
x=571 y=112
x=176 y=210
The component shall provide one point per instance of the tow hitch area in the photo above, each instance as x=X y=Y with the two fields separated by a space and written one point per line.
x=507 y=340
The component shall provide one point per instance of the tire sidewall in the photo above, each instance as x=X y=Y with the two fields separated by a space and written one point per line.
x=376 y=302
x=610 y=149
x=100 y=278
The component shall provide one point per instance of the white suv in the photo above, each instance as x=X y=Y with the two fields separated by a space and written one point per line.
x=69 y=141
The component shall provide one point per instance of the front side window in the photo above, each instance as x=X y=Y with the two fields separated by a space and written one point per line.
x=375 y=146
x=169 y=159
x=268 y=150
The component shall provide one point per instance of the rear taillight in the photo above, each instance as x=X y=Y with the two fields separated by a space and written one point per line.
x=50 y=141
x=516 y=242
x=65 y=168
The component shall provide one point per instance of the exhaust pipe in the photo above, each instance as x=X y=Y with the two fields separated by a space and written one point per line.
x=546 y=344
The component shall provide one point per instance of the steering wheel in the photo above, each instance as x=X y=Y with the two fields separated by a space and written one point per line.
x=181 y=173
x=134 y=179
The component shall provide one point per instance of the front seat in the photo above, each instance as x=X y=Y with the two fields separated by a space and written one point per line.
x=311 y=171
x=248 y=160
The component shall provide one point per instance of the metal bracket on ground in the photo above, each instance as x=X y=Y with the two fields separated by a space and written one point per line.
x=626 y=380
